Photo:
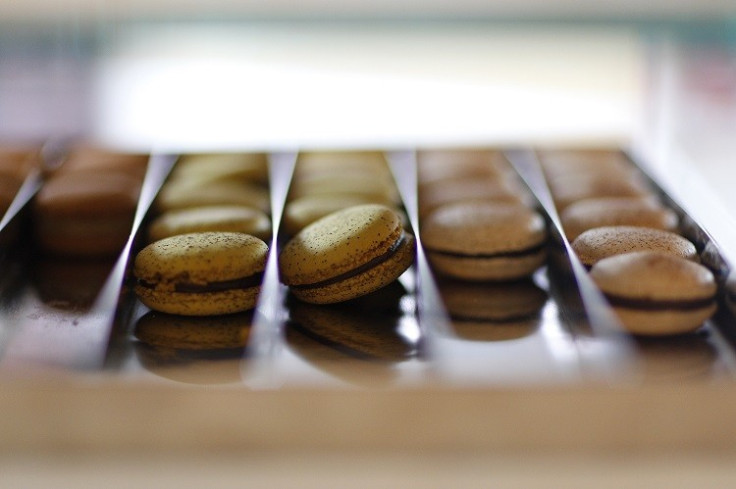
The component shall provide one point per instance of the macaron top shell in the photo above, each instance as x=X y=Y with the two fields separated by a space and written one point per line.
x=598 y=243
x=653 y=275
x=483 y=227
x=201 y=258
x=339 y=243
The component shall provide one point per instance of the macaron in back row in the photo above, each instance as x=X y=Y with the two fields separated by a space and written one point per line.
x=225 y=192
x=329 y=181
x=622 y=232
x=476 y=217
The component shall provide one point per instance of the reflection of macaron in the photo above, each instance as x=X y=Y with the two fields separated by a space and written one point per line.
x=366 y=335
x=492 y=311
x=201 y=274
x=346 y=254
x=69 y=283
x=617 y=211
x=199 y=367
x=231 y=218
x=340 y=363
x=433 y=196
x=438 y=165
x=686 y=357
x=598 y=243
x=655 y=293
x=485 y=241
x=194 y=333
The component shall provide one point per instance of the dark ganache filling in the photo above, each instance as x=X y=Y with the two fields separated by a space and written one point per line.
x=657 y=305
x=358 y=270
x=220 y=286
x=532 y=250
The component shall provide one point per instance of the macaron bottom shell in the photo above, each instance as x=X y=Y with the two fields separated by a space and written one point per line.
x=363 y=283
x=199 y=303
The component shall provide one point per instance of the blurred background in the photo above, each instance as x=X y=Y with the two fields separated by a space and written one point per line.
x=173 y=76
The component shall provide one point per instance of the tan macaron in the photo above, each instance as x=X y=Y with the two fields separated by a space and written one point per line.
x=485 y=240
x=205 y=168
x=238 y=219
x=346 y=254
x=596 y=244
x=201 y=274
x=654 y=293
x=180 y=194
x=616 y=211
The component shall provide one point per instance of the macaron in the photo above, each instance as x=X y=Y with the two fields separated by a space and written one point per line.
x=85 y=158
x=346 y=254
x=182 y=194
x=205 y=168
x=367 y=187
x=485 y=241
x=595 y=244
x=231 y=218
x=201 y=274
x=569 y=189
x=656 y=294
x=324 y=162
x=85 y=213
x=616 y=211
x=432 y=196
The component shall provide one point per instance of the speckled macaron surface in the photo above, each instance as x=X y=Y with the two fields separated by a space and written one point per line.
x=484 y=240
x=655 y=293
x=346 y=254
x=598 y=243
x=201 y=273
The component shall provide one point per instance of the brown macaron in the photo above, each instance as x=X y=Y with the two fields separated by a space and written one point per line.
x=86 y=213
x=596 y=244
x=485 y=240
x=616 y=211
x=654 y=293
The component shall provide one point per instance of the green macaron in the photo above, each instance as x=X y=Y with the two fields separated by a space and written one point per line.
x=346 y=254
x=200 y=274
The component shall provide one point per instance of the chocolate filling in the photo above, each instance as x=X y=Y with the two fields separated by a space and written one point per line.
x=222 y=285
x=502 y=254
x=655 y=305
x=358 y=270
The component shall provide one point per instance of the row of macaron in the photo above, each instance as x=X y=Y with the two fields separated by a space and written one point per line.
x=629 y=241
x=474 y=194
